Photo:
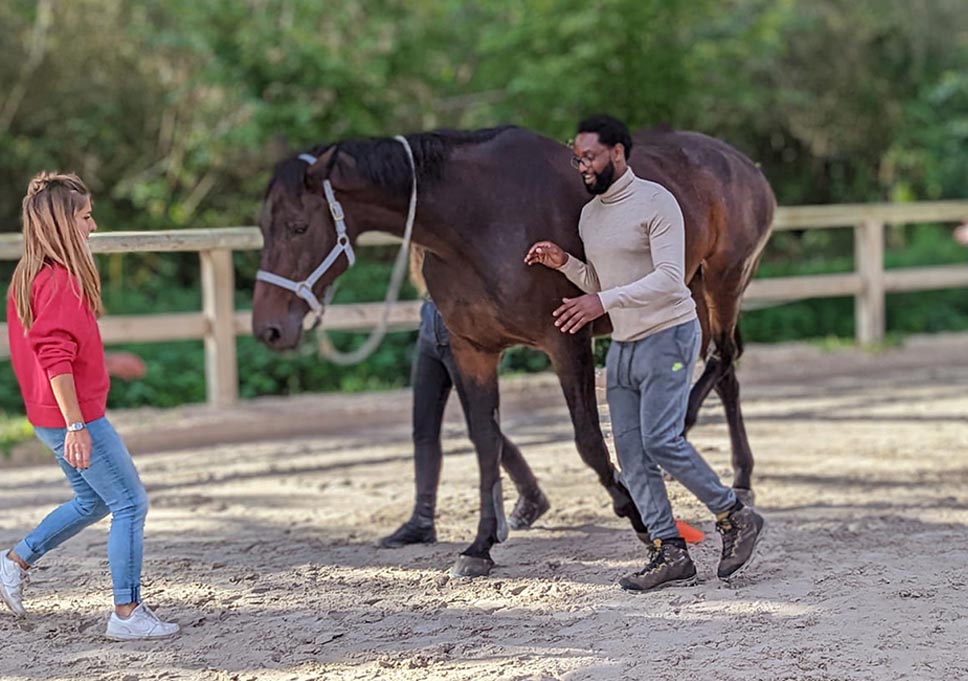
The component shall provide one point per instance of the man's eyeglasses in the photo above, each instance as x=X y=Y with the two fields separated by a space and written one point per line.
x=578 y=161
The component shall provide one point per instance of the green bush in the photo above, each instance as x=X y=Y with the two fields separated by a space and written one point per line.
x=14 y=429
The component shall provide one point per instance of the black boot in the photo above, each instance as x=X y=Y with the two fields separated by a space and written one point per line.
x=417 y=530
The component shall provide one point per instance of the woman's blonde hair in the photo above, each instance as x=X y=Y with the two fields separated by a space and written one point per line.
x=51 y=235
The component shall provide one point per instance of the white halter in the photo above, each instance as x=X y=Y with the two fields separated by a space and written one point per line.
x=304 y=288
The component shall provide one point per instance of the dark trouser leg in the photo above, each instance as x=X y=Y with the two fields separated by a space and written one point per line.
x=432 y=384
x=431 y=387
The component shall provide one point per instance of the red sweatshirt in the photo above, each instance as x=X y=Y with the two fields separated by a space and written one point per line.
x=64 y=339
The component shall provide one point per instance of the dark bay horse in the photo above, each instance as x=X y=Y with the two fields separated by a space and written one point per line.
x=484 y=198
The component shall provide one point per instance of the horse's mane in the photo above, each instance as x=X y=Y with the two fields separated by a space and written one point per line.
x=383 y=160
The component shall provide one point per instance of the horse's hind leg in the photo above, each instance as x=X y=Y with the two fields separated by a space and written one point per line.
x=723 y=295
x=575 y=366
x=712 y=367
x=711 y=374
x=728 y=390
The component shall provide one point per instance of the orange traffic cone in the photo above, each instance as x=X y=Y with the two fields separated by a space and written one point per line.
x=689 y=533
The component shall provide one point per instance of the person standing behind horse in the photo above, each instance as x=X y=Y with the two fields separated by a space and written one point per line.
x=60 y=364
x=434 y=373
x=634 y=238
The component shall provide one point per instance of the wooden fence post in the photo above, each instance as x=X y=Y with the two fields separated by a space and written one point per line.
x=218 y=306
x=869 y=306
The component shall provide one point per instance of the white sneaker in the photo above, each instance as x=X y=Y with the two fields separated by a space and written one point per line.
x=12 y=580
x=141 y=624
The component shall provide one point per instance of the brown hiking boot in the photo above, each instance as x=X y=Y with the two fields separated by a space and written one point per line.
x=527 y=511
x=670 y=565
x=741 y=530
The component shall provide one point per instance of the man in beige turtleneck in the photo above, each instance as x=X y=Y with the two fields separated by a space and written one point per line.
x=634 y=238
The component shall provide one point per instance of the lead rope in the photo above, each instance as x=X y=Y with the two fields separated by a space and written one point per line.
x=325 y=345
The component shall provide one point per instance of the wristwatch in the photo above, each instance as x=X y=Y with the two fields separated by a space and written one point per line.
x=74 y=427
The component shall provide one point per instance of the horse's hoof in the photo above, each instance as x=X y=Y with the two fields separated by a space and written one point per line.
x=746 y=496
x=471 y=566
x=527 y=511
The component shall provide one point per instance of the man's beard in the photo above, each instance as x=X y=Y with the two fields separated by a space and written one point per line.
x=603 y=180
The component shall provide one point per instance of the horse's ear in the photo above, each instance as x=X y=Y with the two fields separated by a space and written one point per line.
x=317 y=169
x=324 y=167
x=312 y=178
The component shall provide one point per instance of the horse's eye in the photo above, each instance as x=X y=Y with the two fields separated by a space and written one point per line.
x=298 y=227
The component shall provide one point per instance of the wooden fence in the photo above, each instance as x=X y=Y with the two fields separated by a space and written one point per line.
x=218 y=323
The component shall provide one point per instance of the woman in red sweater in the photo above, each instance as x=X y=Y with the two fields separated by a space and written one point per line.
x=58 y=357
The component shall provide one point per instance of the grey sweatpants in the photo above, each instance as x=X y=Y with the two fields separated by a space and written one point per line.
x=648 y=393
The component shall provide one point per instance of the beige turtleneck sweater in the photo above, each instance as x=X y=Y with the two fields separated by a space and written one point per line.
x=635 y=242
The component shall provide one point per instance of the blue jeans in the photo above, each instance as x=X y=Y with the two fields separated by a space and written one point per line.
x=648 y=392
x=110 y=485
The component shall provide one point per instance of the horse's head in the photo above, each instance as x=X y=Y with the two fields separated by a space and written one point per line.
x=306 y=241
x=305 y=248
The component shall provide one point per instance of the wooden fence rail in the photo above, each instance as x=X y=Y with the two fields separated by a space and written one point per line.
x=218 y=323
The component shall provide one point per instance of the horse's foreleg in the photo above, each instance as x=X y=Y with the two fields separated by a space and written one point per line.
x=574 y=364
x=478 y=391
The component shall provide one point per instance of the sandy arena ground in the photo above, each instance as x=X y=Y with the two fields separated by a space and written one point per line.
x=263 y=550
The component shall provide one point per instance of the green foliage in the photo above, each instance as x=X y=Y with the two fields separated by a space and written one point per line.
x=13 y=431
x=836 y=343
x=174 y=111
x=179 y=107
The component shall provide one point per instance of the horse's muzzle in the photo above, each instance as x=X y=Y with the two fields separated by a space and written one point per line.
x=278 y=335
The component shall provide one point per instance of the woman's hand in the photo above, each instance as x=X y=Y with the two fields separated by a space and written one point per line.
x=77 y=449
x=546 y=253
x=124 y=365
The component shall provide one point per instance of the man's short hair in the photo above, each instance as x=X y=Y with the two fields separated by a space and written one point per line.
x=610 y=130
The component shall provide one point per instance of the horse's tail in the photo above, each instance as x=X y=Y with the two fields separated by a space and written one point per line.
x=417 y=255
